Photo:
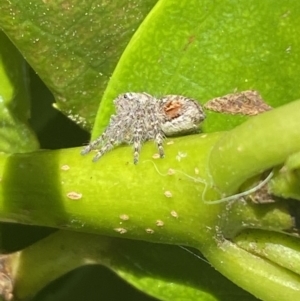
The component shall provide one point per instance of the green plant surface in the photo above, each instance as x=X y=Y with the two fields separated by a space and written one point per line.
x=286 y=180
x=74 y=193
x=15 y=135
x=95 y=185
x=200 y=49
x=254 y=273
x=281 y=248
x=73 y=45
x=234 y=144
x=204 y=49
x=84 y=196
x=164 y=271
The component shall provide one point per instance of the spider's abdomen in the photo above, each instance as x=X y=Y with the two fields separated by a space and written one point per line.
x=140 y=115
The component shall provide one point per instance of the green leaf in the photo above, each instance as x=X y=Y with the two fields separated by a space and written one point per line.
x=172 y=274
x=73 y=46
x=163 y=271
x=205 y=49
x=15 y=135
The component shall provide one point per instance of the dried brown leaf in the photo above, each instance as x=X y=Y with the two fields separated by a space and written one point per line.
x=247 y=102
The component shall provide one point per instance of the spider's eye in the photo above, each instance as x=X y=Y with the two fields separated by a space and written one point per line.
x=127 y=95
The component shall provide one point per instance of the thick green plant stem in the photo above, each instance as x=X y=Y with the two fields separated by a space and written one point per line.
x=115 y=197
x=147 y=201
x=256 y=145
x=242 y=215
x=157 y=200
x=265 y=279
x=112 y=196
x=276 y=247
x=285 y=183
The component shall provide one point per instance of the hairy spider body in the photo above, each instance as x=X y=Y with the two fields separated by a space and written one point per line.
x=141 y=117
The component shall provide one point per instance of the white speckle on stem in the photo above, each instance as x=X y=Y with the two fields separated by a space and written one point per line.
x=65 y=167
x=168 y=194
x=170 y=142
x=180 y=156
x=124 y=217
x=159 y=223
x=156 y=156
x=120 y=230
x=73 y=195
x=171 y=171
x=174 y=213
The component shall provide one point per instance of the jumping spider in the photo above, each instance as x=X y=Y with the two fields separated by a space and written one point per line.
x=140 y=117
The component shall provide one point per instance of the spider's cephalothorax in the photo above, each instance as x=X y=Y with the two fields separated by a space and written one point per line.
x=140 y=117
x=182 y=115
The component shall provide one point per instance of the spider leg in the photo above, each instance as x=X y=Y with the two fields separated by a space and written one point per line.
x=136 y=145
x=112 y=137
x=93 y=144
x=106 y=139
x=107 y=146
x=156 y=133
x=137 y=141
x=159 y=142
